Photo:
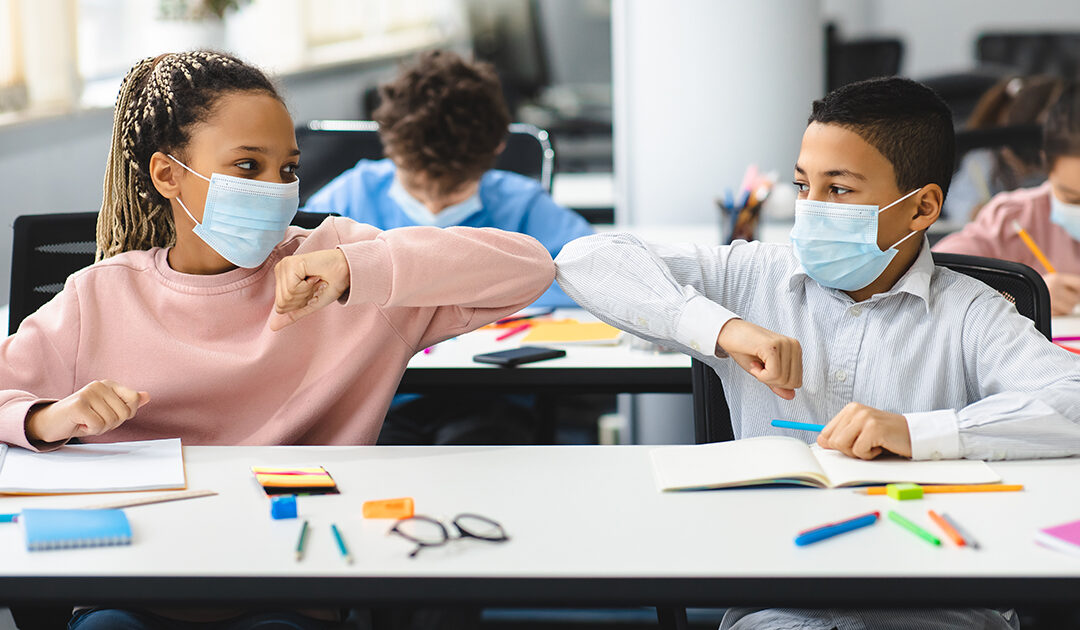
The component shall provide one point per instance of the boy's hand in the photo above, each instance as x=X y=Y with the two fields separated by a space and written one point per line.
x=1064 y=292
x=97 y=408
x=306 y=283
x=771 y=358
x=863 y=432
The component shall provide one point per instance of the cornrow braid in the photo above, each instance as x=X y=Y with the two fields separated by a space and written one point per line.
x=159 y=101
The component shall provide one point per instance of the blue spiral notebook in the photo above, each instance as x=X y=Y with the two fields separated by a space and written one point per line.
x=63 y=529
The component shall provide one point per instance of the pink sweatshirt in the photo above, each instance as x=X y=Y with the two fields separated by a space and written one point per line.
x=217 y=374
x=992 y=233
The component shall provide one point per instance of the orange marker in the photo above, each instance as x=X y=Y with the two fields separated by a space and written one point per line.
x=948 y=529
x=978 y=487
x=1030 y=242
x=389 y=508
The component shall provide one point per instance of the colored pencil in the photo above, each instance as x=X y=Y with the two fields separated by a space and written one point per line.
x=913 y=528
x=949 y=530
x=513 y=331
x=1030 y=242
x=301 y=541
x=971 y=542
x=975 y=487
x=341 y=544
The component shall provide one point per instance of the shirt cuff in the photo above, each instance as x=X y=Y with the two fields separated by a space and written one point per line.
x=369 y=273
x=700 y=323
x=934 y=434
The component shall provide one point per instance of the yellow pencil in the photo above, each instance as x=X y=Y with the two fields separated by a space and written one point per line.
x=1024 y=236
x=978 y=487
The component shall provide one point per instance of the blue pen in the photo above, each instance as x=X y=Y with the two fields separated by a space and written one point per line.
x=805 y=426
x=8 y=518
x=828 y=531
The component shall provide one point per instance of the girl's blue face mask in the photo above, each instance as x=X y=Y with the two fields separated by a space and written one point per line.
x=244 y=219
x=1067 y=215
x=837 y=242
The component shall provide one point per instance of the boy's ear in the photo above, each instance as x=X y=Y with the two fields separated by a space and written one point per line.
x=165 y=174
x=928 y=207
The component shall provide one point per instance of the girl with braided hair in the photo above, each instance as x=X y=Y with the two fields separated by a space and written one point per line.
x=208 y=317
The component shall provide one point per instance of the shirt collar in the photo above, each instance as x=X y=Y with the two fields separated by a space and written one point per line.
x=915 y=281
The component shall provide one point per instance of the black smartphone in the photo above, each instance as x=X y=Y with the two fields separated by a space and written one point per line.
x=517 y=356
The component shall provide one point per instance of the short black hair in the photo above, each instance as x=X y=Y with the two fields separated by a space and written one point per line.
x=904 y=120
x=1061 y=132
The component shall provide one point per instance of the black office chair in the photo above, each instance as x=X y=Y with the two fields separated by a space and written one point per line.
x=1024 y=140
x=47 y=248
x=848 y=61
x=1018 y=283
x=331 y=147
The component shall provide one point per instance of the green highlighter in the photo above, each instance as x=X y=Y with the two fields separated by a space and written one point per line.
x=913 y=528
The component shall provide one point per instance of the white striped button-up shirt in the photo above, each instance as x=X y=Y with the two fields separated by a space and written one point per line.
x=973 y=377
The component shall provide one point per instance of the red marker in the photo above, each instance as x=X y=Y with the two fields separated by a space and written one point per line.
x=513 y=331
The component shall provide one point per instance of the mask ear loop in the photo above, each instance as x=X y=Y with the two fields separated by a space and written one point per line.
x=178 y=199
x=910 y=234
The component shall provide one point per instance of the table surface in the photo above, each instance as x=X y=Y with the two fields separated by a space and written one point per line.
x=587 y=527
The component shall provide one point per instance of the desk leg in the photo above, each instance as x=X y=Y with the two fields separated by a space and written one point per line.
x=671 y=618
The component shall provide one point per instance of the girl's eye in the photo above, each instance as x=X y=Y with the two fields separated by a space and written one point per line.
x=800 y=187
x=247 y=165
x=291 y=168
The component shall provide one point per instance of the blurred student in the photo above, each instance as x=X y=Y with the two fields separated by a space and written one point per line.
x=1049 y=213
x=851 y=324
x=984 y=172
x=443 y=122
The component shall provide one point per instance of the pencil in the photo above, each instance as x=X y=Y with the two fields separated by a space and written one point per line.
x=913 y=528
x=949 y=530
x=513 y=331
x=975 y=487
x=971 y=542
x=1024 y=236
x=300 y=543
x=341 y=544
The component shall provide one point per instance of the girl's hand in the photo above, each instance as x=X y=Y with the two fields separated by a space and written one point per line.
x=306 y=283
x=97 y=408
x=1064 y=292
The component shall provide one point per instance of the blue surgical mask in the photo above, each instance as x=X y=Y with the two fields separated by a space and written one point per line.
x=1067 y=215
x=837 y=242
x=420 y=215
x=244 y=219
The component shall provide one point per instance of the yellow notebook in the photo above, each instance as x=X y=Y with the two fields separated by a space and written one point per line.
x=299 y=480
x=573 y=332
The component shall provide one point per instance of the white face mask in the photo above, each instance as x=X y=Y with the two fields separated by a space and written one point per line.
x=1067 y=215
x=419 y=213
x=244 y=219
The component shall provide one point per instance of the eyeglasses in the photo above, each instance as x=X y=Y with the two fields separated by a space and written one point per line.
x=430 y=532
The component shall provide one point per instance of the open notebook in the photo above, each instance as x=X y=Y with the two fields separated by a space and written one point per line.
x=117 y=467
x=786 y=460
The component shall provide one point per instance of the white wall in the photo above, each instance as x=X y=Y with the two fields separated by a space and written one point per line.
x=939 y=35
x=701 y=89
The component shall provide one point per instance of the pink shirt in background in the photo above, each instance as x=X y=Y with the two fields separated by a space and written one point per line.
x=993 y=235
x=217 y=374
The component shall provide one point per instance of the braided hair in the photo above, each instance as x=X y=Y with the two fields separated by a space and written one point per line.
x=159 y=101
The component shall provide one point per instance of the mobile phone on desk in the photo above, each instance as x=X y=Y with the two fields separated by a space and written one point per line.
x=517 y=356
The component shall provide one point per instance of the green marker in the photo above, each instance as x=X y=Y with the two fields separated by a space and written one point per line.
x=913 y=528
x=300 y=543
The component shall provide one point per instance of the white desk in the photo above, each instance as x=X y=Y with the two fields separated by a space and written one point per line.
x=587 y=528
x=585 y=369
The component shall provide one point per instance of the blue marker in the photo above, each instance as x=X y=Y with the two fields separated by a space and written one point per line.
x=828 y=531
x=8 y=518
x=804 y=426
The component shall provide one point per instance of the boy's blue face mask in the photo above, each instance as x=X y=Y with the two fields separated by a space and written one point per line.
x=837 y=242
x=244 y=219
x=420 y=215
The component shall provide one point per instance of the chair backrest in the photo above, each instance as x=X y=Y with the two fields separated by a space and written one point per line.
x=1024 y=140
x=47 y=248
x=331 y=147
x=1018 y=283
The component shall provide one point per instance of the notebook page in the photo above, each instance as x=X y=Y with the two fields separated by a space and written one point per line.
x=752 y=461
x=146 y=465
x=842 y=470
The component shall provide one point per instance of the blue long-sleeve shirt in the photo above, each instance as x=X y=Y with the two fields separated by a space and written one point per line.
x=508 y=201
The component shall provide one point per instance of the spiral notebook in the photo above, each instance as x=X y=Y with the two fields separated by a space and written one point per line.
x=63 y=529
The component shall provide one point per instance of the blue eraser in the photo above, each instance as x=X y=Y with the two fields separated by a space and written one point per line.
x=283 y=506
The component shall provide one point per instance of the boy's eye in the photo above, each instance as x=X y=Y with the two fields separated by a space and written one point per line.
x=839 y=190
x=800 y=187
